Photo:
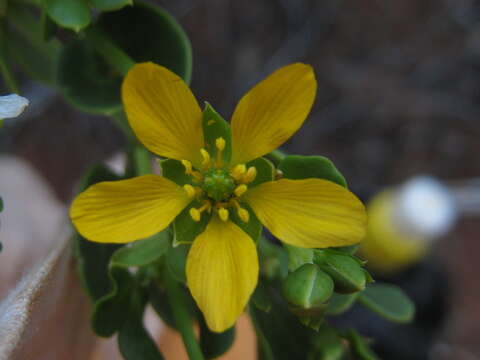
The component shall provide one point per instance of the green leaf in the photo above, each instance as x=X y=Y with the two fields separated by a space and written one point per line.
x=110 y=5
x=298 y=256
x=134 y=341
x=359 y=346
x=327 y=345
x=339 y=303
x=175 y=171
x=260 y=298
x=70 y=14
x=214 y=127
x=144 y=32
x=27 y=45
x=303 y=167
x=185 y=229
x=213 y=344
x=110 y=312
x=265 y=171
x=142 y=252
x=388 y=301
x=177 y=260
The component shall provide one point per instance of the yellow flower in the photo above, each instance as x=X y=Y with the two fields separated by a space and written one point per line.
x=222 y=265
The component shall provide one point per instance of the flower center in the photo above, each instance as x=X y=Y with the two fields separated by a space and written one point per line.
x=217 y=187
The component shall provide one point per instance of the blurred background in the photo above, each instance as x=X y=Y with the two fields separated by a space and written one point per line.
x=399 y=91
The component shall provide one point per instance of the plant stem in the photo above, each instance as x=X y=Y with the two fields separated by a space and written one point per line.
x=111 y=53
x=182 y=319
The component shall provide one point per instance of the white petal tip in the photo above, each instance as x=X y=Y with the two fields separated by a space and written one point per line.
x=12 y=105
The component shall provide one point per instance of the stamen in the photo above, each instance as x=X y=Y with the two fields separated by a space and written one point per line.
x=205 y=158
x=238 y=171
x=189 y=189
x=220 y=144
x=188 y=166
x=250 y=175
x=195 y=214
x=240 y=190
x=223 y=213
x=243 y=214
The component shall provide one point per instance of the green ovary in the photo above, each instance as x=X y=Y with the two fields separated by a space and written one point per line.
x=218 y=184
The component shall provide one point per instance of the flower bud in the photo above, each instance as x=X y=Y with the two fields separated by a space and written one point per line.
x=346 y=272
x=308 y=287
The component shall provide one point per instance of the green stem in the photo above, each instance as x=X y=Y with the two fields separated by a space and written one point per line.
x=276 y=156
x=111 y=53
x=262 y=340
x=142 y=160
x=182 y=319
x=8 y=77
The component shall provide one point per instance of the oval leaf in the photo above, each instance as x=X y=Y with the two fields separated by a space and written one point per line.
x=388 y=301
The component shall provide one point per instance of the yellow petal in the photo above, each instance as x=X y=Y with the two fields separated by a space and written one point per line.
x=163 y=112
x=272 y=112
x=127 y=210
x=311 y=213
x=222 y=272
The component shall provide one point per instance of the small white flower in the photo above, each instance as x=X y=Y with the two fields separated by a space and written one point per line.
x=12 y=106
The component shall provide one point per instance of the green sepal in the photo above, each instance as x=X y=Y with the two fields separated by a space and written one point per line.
x=253 y=227
x=214 y=127
x=304 y=167
x=298 y=256
x=70 y=14
x=134 y=341
x=175 y=171
x=351 y=249
x=308 y=287
x=346 y=271
x=144 y=32
x=177 y=261
x=110 y=311
x=388 y=301
x=265 y=171
x=260 y=298
x=214 y=344
x=359 y=346
x=142 y=252
x=185 y=229
x=314 y=320
x=110 y=5
x=339 y=303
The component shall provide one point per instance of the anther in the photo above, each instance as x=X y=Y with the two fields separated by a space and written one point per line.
x=195 y=214
x=250 y=175
x=205 y=157
x=223 y=213
x=220 y=144
x=243 y=214
x=238 y=171
x=188 y=166
x=190 y=190
x=240 y=190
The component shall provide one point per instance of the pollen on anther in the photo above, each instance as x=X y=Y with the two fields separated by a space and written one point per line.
x=205 y=157
x=220 y=143
x=240 y=190
x=223 y=213
x=243 y=214
x=250 y=175
x=238 y=171
x=190 y=190
x=195 y=214
x=188 y=166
